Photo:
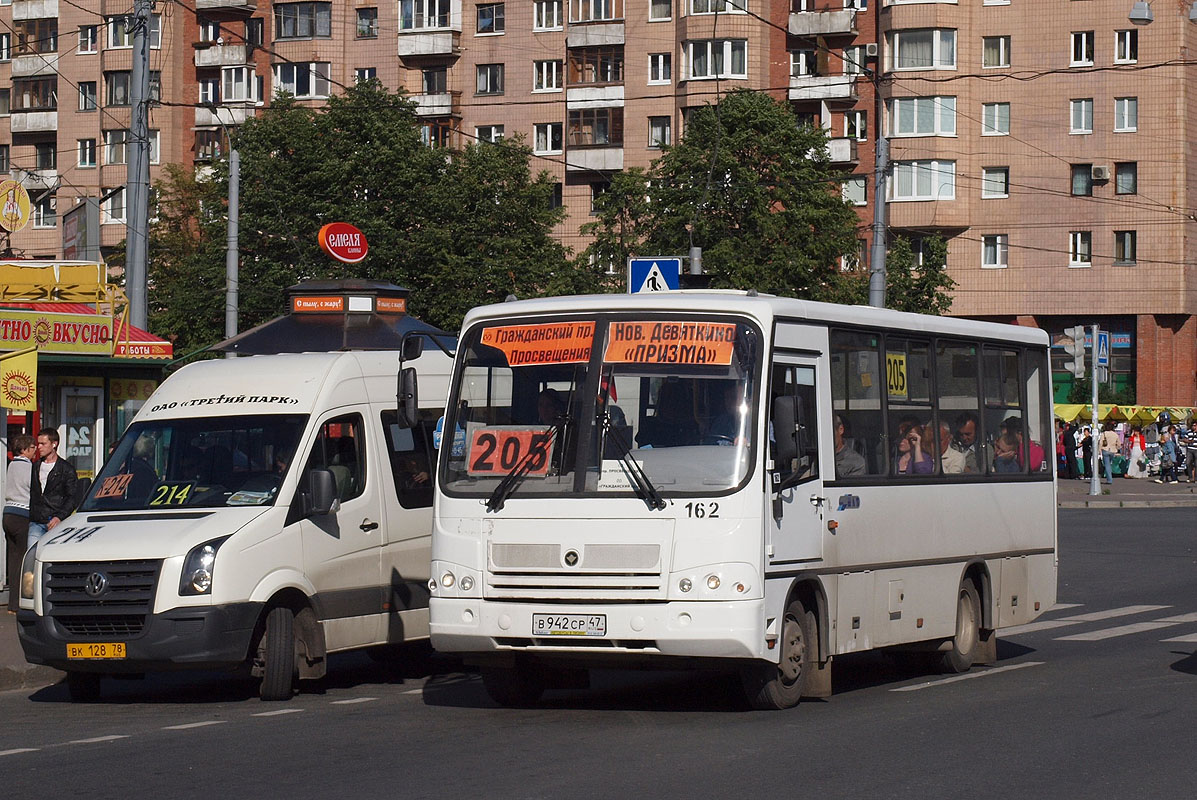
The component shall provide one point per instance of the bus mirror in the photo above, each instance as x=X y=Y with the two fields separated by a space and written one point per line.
x=320 y=493
x=407 y=397
x=785 y=430
x=413 y=346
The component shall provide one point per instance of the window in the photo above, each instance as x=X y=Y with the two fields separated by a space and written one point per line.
x=116 y=88
x=120 y=32
x=489 y=133
x=995 y=182
x=595 y=10
x=155 y=140
x=1126 y=177
x=413 y=458
x=5 y=161
x=88 y=39
x=36 y=36
x=546 y=15
x=1125 y=243
x=208 y=145
x=302 y=20
x=1082 y=180
x=854 y=190
x=1080 y=249
x=420 y=14
x=856 y=125
x=45 y=155
x=924 y=116
x=209 y=31
x=1082 y=49
x=718 y=58
x=116 y=147
x=491 y=18
x=924 y=49
x=910 y=408
x=367 y=23
x=5 y=106
x=1081 y=112
x=548 y=137
x=957 y=365
x=718 y=6
x=490 y=79
x=5 y=46
x=803 y=63
x=854 y=60
x=924 y=180
x=1126 y=46
x=35 y=94
x=340 y=447
x=597 y=190
x=112 y=206
x=995 y=248
x=253 y=31
x=595 y=65
x=87 y=95
x=856 y=382
x=86 y=149
x=660 y=68
x=364 y=74
x=796 y=384
x=209 y=91
x=45 y=214
x=546 y=76
x=995 y=119
x=303 y=80
x=596 y=127
x=435 y=80
x=238 y=84
x=436 y=132
x=1126 y=114
x=995 y=51
x=660 y=131
x=660 y=10
x=557 y=199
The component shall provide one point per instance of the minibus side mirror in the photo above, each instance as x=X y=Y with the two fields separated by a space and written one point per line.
x=319 y=493
x=412 y=347
x=408 y=397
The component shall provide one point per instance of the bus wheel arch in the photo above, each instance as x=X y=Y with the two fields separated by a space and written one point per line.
x=978 y=572
x=964 y=648
x=809 y=592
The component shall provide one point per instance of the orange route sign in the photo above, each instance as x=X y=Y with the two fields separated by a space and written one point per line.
x=669 y=342
x=542 y=343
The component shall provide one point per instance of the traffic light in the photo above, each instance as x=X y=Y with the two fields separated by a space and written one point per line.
x=1074 y=345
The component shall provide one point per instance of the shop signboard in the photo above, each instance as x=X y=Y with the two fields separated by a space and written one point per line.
x=78 y=334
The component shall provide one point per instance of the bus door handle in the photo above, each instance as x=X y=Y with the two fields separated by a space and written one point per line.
x=368 y=526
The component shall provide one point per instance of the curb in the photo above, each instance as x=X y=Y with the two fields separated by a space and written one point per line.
x=1096 y=503
x=28 y=677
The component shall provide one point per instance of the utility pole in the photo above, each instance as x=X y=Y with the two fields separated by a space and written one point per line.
x=877 y=256
x=137 y=184
x=231 y=254
x=1095 y=432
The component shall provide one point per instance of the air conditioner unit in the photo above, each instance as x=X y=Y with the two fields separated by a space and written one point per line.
x=871 y=50
x=1100 y=173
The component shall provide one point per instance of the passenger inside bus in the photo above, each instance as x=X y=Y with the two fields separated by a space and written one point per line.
x=910 y=458
x=1005 y=454
x=673 y=423
x=725 y=426
x=848 y=462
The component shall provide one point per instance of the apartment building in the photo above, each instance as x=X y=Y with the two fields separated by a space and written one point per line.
x=1045 y=139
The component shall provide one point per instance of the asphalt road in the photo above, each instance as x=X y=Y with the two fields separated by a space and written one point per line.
x=1097 y=699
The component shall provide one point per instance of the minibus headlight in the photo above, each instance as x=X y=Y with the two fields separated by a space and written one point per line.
x=198 y=568
x=27 y=572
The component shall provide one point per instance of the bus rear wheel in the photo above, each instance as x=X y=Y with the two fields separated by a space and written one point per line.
x=770 y=687
x=514 y=687
x=964 y=645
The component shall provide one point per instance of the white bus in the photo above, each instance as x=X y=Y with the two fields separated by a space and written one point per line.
x=737 y=481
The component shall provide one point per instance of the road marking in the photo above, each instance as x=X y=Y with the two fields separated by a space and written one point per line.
x=276 y=713
x=1188 y=637
x=414 y=691
x=354 y=701
x=1110 y=633
x=94 y=740
x=968 y=676
x=1181 y=618
x=190 y=725
x=19 y=750
x=1064 y=606
x=1095 y=616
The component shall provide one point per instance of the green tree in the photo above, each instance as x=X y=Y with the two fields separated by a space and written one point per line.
x=910 y=286
x=750 y=186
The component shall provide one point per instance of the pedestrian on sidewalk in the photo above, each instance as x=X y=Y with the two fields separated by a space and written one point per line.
x=1168 y=455
x=1109 y=449
x=16 y=512
x=1070 y=447
x=52 y=490
x=1137 y=466
x=1086 y=452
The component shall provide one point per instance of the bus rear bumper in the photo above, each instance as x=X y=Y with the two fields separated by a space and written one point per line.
x=696 y=629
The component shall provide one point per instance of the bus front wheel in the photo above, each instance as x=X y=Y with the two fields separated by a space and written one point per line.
x=276 y=651
x=965 y=644
x=776 y=686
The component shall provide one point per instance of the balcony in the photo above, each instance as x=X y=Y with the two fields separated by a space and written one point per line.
x=222 y=115
x=220 y=55
x=610 y=96
x=36 y=179
x=243 y=6
x=444 y=104
x=842 y=151
x=33 y=64
x=823 y=87
x=439 y=42
x=589 y=159
x=823 y=23
x=33 y=121
x=34 y=9
x=594 y=34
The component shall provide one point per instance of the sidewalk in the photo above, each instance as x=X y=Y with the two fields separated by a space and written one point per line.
x=1127 y=493
x=15 y=671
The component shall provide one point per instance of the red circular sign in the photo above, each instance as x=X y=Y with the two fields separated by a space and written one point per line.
x=343 y=242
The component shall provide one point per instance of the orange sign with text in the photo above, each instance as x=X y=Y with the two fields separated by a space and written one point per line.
x=544 y=343
x=666 y=342
x=318 y=304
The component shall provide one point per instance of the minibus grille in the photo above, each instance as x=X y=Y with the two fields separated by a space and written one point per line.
x=101 y=598
x=597 y=571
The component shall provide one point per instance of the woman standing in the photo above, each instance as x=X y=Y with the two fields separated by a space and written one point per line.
x=1137 y=465
x=16 y=512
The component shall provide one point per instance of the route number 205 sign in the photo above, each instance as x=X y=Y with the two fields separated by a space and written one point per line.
x=497 y=449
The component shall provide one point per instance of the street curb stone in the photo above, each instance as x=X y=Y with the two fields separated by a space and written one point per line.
x=30 y=677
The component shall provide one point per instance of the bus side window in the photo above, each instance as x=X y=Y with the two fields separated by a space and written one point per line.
x=798 y=382
x=412 y=457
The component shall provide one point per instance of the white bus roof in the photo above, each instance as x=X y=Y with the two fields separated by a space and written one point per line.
x=765 y=308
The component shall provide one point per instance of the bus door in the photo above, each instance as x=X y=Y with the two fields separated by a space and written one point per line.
x=796 y=502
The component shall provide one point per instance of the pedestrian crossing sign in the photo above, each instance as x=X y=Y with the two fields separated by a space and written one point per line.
x=1103 y=348
x=661 y=274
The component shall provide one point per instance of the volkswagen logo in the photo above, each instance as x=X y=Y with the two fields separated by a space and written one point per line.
x=96 y=585
x=571 y=558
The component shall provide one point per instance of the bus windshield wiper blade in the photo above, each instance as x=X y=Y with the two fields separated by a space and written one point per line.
x=640 y=481
x=515 y=477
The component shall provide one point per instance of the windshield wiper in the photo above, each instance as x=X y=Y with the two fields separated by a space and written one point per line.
x=640 y=481
x=515 y=477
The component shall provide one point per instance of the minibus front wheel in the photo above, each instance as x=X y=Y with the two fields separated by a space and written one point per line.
x=277 y=652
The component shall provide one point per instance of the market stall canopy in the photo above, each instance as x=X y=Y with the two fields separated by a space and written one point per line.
x=1136 y=415
x=328 y=316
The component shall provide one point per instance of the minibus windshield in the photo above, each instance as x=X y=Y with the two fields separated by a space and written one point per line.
x=200 y=462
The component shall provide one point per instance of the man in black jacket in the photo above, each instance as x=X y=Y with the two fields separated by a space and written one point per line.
x=52 y=493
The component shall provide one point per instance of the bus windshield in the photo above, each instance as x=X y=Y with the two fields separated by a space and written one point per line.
x=201 y=462
x=583 y=405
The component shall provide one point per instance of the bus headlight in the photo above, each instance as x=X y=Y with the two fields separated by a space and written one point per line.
x=466 y=583
x=447 y=580
x=198 y=568
x=685 y=584
x=712 y=582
